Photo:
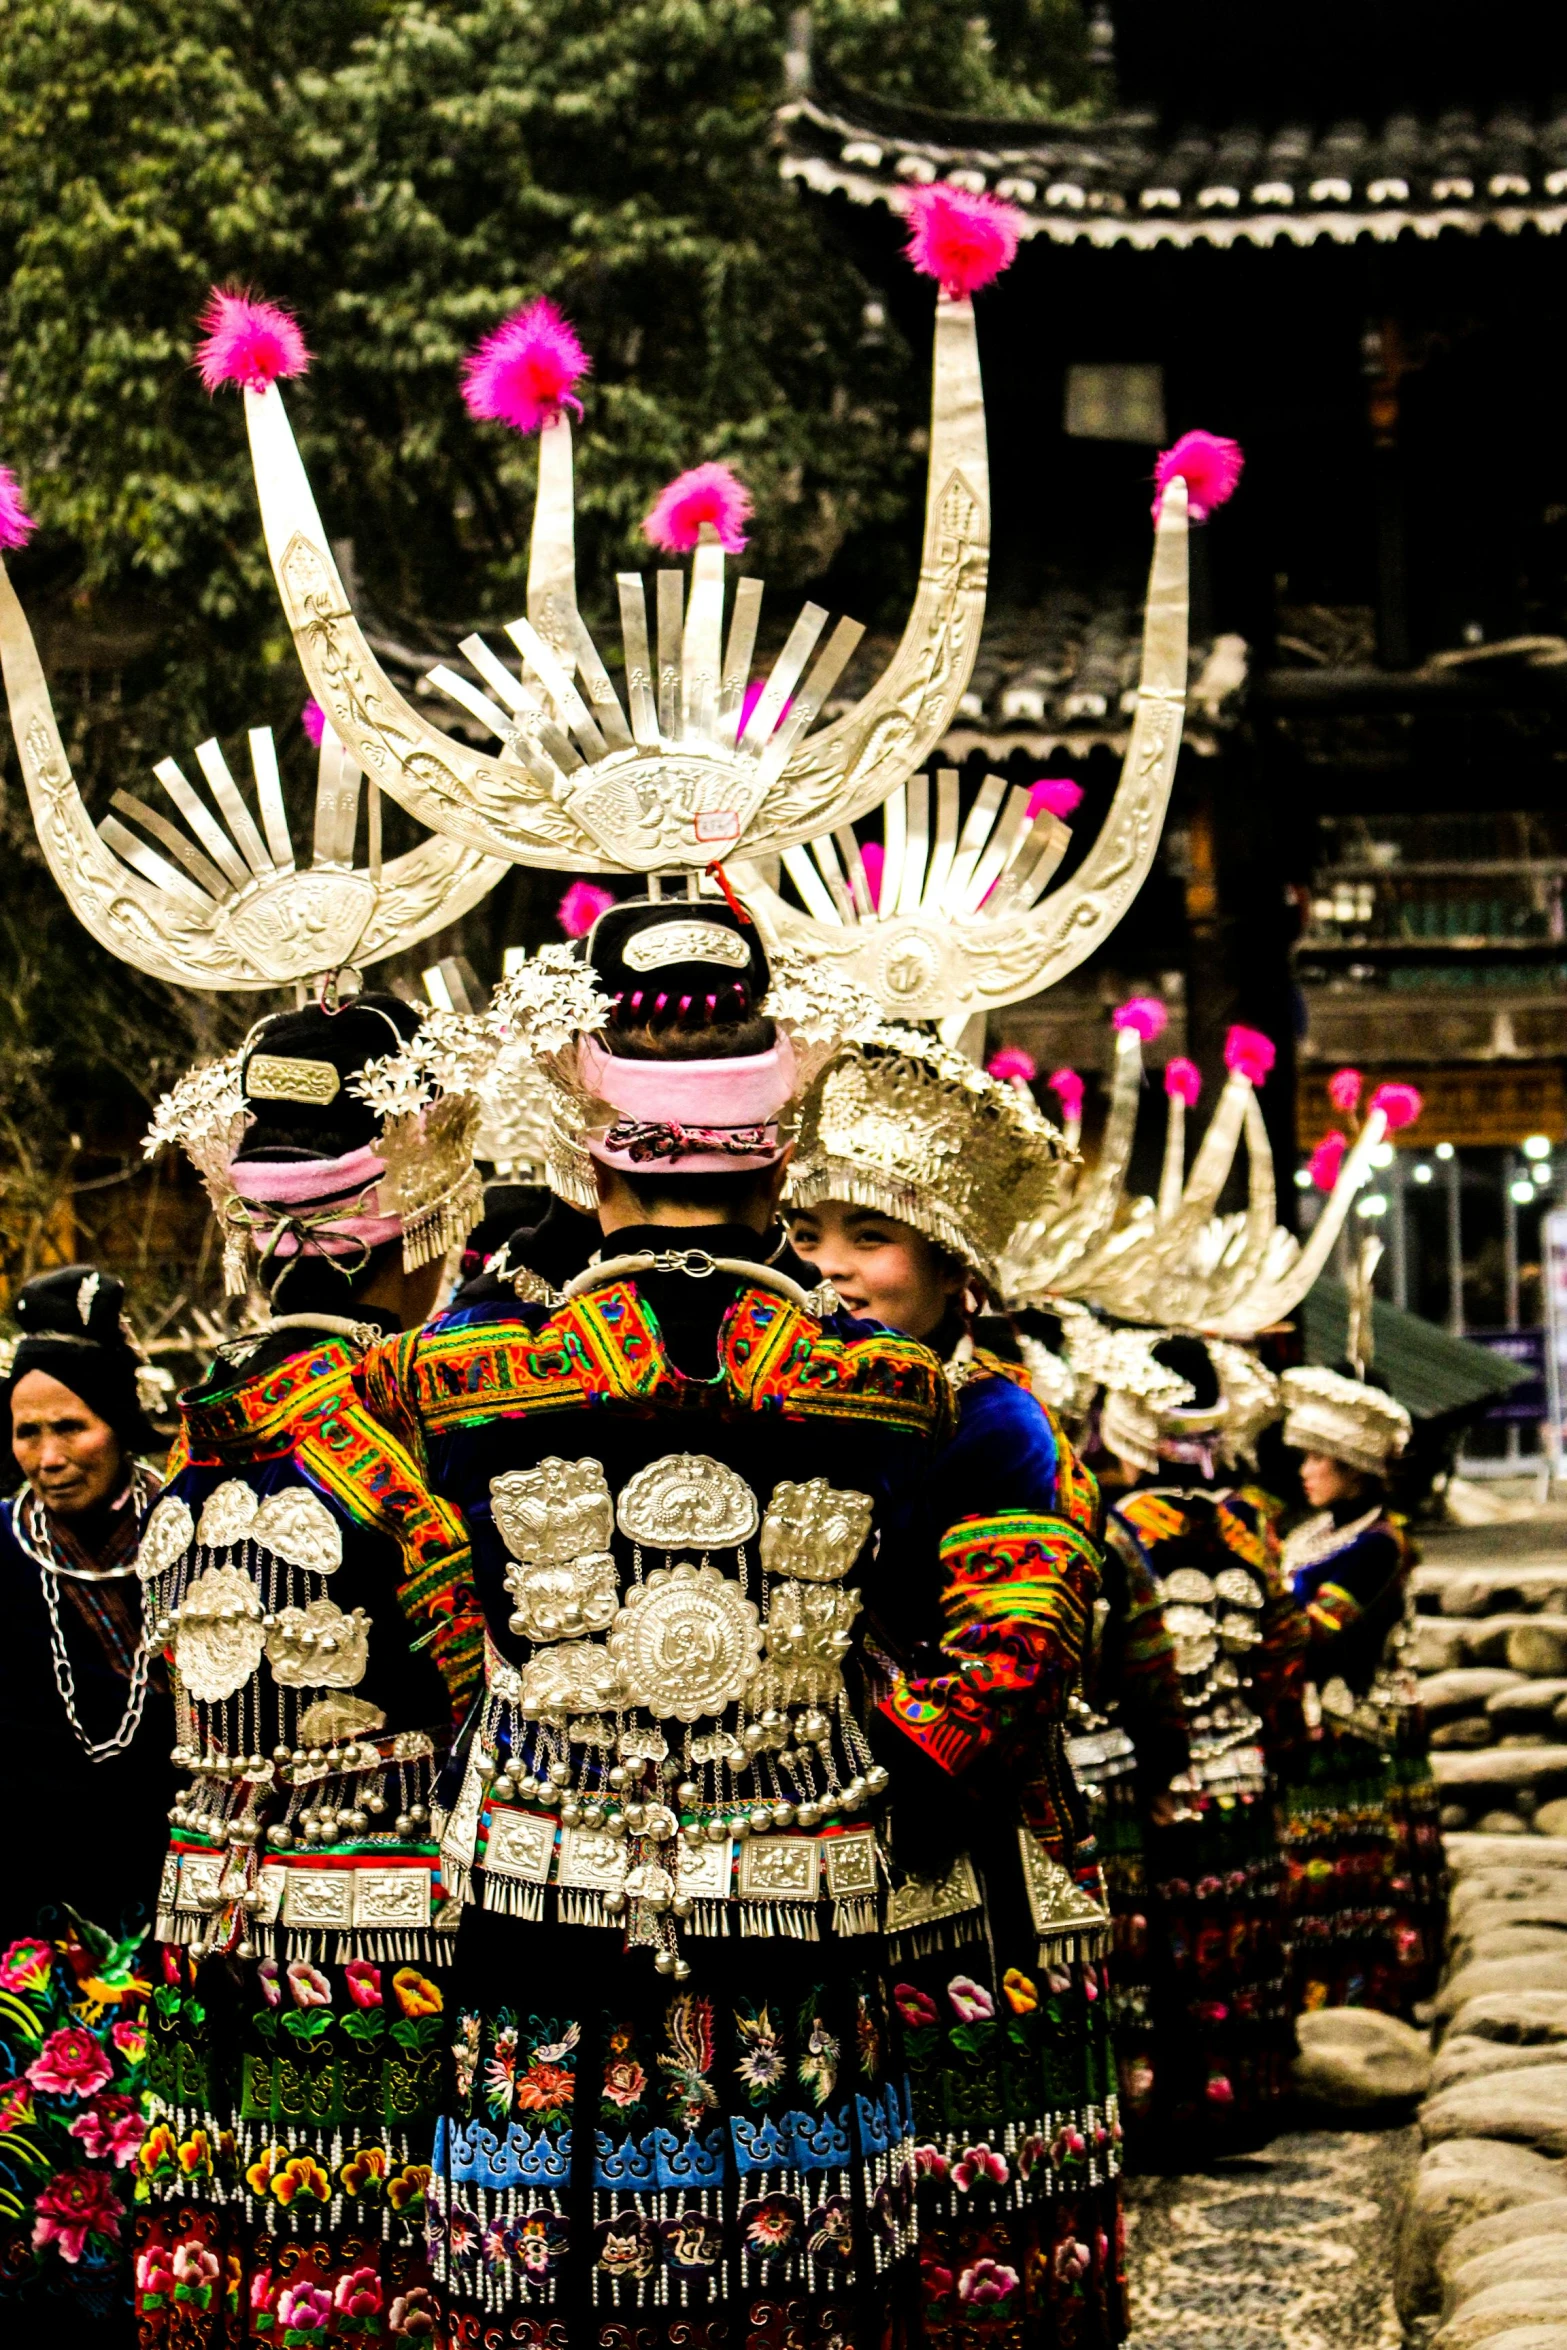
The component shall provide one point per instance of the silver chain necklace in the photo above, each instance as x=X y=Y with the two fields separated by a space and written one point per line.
x=30 y=1522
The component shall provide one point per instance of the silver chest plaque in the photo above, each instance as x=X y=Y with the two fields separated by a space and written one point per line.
x=555 y=1513
x=556 y=1521
x=220 y=1638
x=686 y=1642
x=318 y=1647
x=814 y=1532
x=687 y=1502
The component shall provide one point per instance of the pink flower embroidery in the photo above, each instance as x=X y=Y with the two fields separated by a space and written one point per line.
x=979 y=2165
x=1219 y=2090
x=304 y=2309
x=75 y=2205
x=310 y=1988
x=971 y=2000
x=112 y=2130
x=414 y=2315
x=153 y=2273
x=70 y=2064
x=195 y=2267
x=930 y=2161
x=358 y=2294
x=988 y=2281
x=916 y=2007
x=269 y=1982
x=1072 y=2260
x=364 y=1982
x=25 y=1966
x=131 y=2041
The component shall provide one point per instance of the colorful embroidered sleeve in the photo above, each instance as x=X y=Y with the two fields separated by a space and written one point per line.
x=1018 y=1588
x=346 y=1451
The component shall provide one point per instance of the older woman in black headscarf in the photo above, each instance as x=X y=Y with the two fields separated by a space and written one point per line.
x=87 y=1718
x=88 y=1726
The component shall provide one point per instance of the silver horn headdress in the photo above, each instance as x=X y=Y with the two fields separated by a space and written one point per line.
x=220 y=901
x=961 y=923
x=671 y=777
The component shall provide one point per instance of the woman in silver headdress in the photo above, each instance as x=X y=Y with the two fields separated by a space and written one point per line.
x=1366 y=1882
x=914 y=1170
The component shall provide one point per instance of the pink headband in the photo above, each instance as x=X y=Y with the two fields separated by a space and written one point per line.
x=705 y=1117
x=293 y=1203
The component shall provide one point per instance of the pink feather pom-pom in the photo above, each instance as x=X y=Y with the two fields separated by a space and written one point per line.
x=707 y=493
x=1400 y=1105
x=1012 y=1066
x=874 y=858
x=526 y=370
x=1183 y=1081
x=1144 y=1015
x=1209 y=465
x=1054 y=795
x=1344 y=1088
x=313 y=719
x=1067 y=1087
x=16 y=524
x=247 y=342
x=581 y=907
x=962 y=240
x=1249 y=1053
x=1326 y=1160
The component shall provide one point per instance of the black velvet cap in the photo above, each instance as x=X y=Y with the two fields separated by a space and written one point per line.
x=71 y=1329
x=296 y=1075
x=682 y=953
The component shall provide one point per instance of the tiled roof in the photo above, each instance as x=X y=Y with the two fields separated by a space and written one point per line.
x=1128 y=181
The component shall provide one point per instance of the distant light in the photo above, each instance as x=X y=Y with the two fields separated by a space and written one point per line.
x=1383 y=1155
x=1421 y=1172
x=1303 y=1179
x=1523 y=1193
x=1374 y=1204
x=1444 y=1150
x=1536 y=1146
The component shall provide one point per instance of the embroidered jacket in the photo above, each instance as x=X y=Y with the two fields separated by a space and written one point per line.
x=1349 y=1581
x=311 y=1594
x=607 y=1491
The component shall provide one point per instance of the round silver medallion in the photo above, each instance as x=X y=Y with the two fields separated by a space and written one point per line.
x=686 y=1642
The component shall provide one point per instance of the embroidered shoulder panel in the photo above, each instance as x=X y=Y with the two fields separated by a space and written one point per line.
x=1151 y=1517
x=986 y=1364
x=606 y=1347
x=782 y=1360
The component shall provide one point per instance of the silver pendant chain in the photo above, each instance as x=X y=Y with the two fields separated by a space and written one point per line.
x=30 y=1520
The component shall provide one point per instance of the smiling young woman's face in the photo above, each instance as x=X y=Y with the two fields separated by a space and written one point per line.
x=881 y=1268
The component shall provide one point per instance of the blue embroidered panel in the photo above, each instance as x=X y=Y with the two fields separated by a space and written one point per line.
x=821 y=2142
x=760 y=2145
x=470 y=2155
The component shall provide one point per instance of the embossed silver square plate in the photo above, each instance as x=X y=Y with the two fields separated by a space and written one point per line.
x=851 y=1864
x=521 y=1845
x=779 y=1868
